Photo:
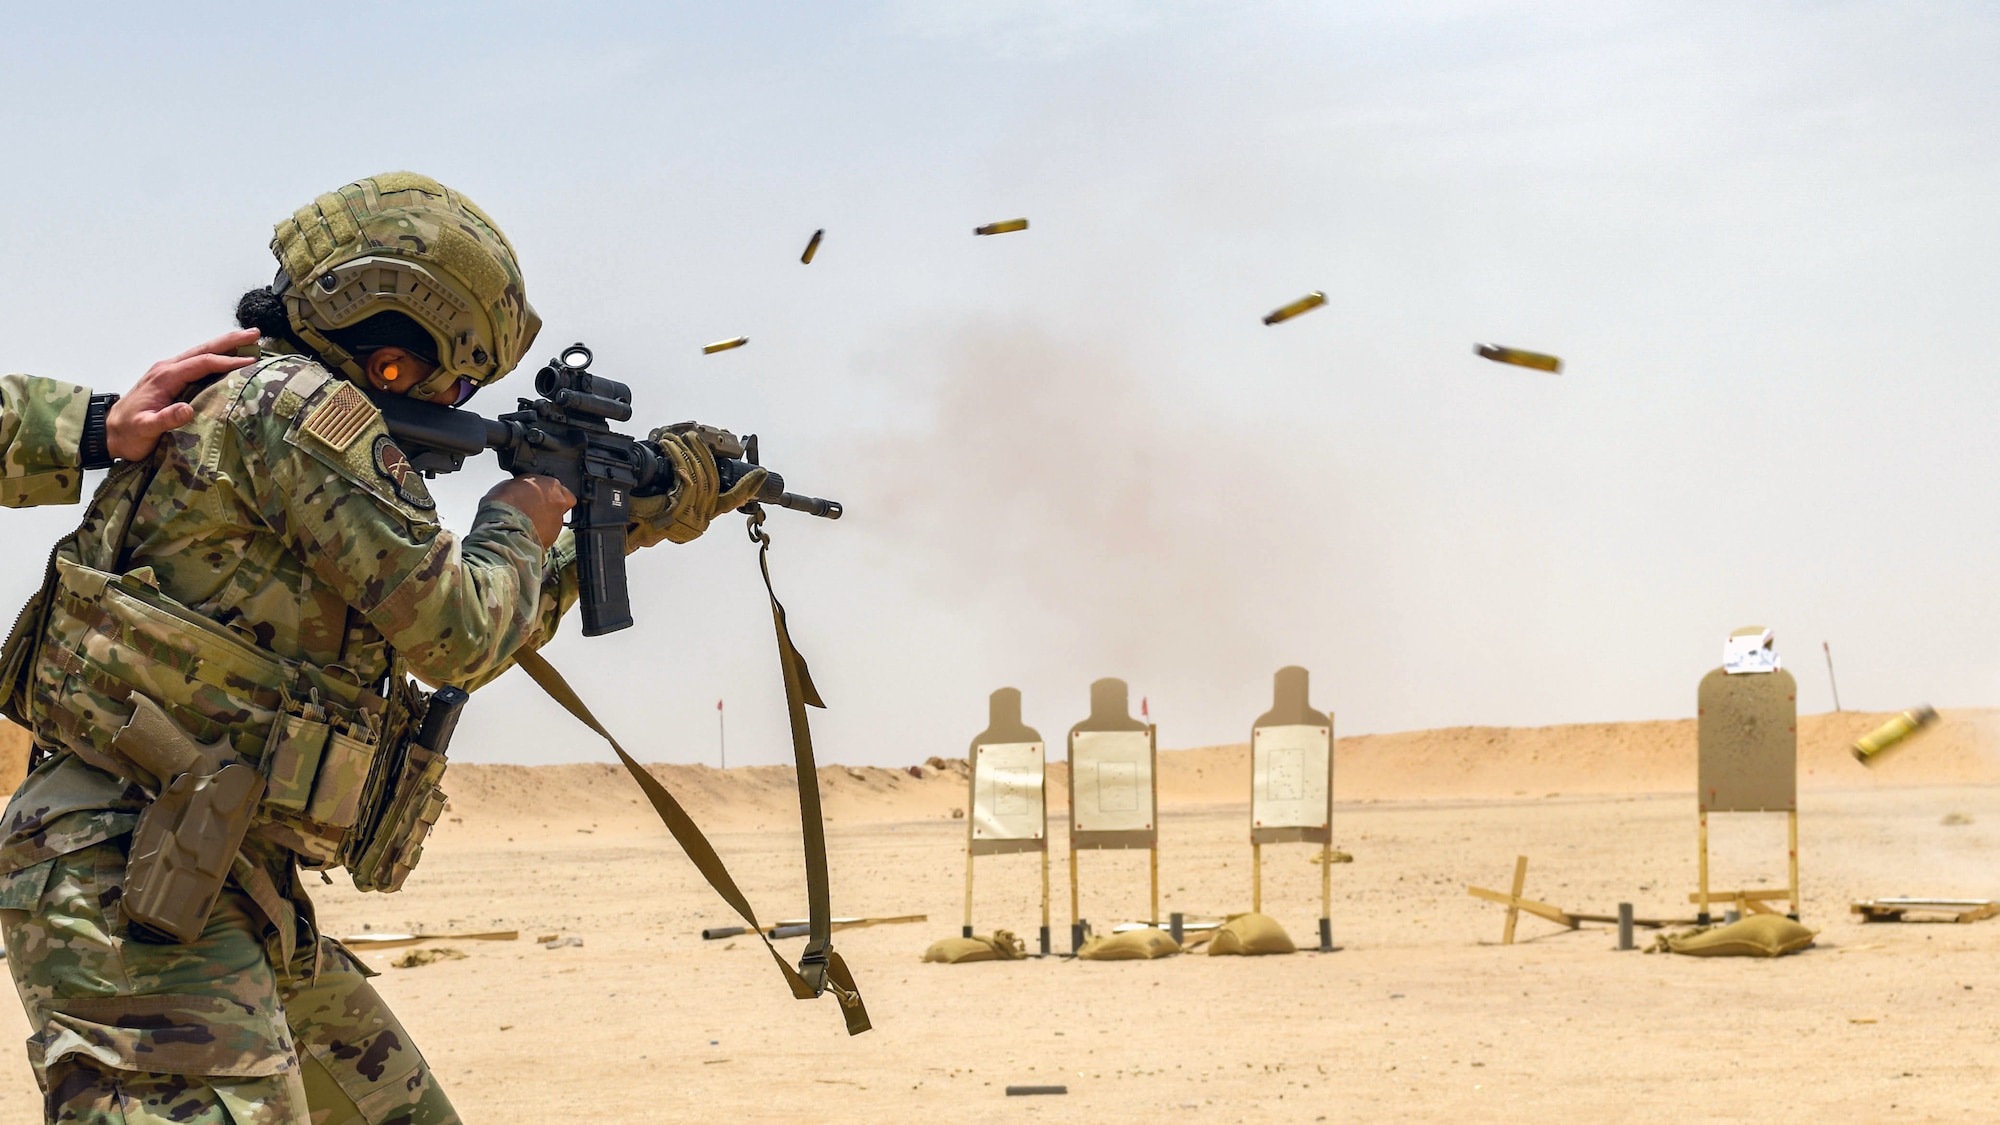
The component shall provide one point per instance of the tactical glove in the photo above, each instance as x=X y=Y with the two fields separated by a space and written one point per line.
x=696 y=498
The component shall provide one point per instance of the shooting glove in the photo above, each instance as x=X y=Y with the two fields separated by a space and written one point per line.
x=696 y=498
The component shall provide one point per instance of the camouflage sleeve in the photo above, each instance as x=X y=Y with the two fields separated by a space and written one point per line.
x=558 y=594
x=41 y=425
x=335 y=484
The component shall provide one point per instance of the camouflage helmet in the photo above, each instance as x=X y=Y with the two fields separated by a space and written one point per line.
x=405 y=243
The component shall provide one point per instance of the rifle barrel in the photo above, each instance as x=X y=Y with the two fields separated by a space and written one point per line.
x=810 y=505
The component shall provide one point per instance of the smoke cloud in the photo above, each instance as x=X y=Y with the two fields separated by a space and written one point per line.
x=1046 y=494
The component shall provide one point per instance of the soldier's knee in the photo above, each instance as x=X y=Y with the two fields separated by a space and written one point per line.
x=430 y=1108
x=415 y=1100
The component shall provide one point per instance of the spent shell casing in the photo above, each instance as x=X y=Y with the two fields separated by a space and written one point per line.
x=247 y=351
x=725 y=345
x=1008 y=226
x=1873 y=744
x=1310 y=301
x=1519 y=358
x=812 y=247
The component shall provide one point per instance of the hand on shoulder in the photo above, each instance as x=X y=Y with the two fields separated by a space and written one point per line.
x=134 y=424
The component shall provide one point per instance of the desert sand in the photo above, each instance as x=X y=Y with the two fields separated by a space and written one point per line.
x=1422 y=1014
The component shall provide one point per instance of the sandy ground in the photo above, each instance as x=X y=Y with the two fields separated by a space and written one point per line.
x=1421 y=1015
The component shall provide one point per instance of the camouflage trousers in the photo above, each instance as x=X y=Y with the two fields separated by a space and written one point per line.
x=207 y=1032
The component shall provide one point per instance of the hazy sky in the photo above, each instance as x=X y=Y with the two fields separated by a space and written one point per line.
x=1762 y=237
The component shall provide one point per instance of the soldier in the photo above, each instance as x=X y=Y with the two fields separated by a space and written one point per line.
x=272 y=578
x=50 y=430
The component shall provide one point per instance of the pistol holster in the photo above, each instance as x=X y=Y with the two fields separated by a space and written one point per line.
x=183 y=848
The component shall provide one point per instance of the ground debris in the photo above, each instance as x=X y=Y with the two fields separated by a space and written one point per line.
x=419 y=957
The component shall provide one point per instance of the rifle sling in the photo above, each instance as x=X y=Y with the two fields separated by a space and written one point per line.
x=820 y=968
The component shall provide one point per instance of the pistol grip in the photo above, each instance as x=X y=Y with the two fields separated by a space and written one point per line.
x=153 y=741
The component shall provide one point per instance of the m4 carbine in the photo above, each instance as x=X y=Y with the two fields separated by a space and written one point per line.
x=566 y=434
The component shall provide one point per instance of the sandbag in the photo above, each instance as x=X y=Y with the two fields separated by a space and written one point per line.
x=1132 y=945
x=1250 y=935
x=1002 y=946
x=1759 y=935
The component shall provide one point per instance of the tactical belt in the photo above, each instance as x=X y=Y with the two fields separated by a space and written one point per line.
x=820 y=968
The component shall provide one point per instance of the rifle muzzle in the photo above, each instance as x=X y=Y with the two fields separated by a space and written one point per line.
x=773 y=490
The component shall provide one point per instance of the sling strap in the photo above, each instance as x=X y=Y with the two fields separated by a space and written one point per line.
x=820 y=968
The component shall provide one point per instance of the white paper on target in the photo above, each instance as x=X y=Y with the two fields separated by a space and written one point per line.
x=1007 y=791
x=1290 y=771
x=1750 y=653
x=1111 y=780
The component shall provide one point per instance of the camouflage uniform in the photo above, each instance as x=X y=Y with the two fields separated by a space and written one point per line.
x=41 y=424
x=267 y=581
x=285 y=513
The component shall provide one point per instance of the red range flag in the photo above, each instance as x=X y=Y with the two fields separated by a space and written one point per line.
x=1142 y=708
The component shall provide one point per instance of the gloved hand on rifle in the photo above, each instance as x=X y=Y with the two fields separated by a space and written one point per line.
x=697 y=496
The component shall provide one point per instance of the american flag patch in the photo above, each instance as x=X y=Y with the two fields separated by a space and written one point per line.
x=341 y=418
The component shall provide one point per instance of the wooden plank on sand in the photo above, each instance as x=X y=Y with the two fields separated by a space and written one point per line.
x=1539 y=909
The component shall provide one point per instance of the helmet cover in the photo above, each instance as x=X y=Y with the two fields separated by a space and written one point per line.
x=401 y=242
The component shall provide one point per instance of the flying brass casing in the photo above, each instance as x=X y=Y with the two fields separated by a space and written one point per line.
x=1869 y=747
x=812 y=247
x=1519 y=358
x=1005 y=227
x=1306 y=303
x=725 y=345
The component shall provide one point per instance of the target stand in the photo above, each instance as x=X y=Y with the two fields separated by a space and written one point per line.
x=1291 y=788
x=1748 y=731
x=1113 y=801
x=1009 y=796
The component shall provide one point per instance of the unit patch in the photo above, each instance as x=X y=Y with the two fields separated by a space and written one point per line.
x=393 y=466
